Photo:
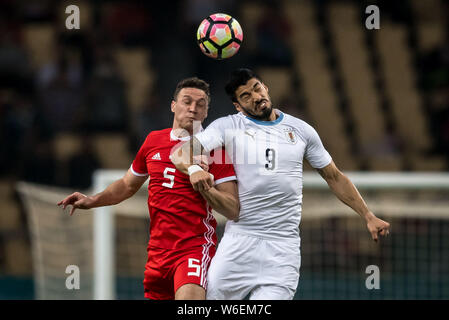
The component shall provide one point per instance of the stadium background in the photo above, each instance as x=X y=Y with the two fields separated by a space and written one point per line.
x=72 y=101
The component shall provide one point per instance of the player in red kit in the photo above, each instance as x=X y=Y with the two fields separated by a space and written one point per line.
x=182 y=227
x=181 y=220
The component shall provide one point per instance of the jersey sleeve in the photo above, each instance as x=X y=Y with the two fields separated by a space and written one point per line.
x=315 y=153
x=214 y=135
x=222 y=167
x=139 y=165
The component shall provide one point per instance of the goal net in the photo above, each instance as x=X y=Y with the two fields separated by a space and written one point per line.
x=339 y=260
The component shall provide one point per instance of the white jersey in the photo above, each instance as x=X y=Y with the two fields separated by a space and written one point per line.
x=268 y=161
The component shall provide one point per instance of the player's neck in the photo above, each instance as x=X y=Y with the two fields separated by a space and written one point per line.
x=179 y=132
x=273 y=115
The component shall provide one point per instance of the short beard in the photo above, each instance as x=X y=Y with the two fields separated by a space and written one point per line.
x=265 y=116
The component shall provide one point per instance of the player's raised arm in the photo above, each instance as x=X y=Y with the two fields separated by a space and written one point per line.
x=345 y=190
x=182 y=158
x=115 y=193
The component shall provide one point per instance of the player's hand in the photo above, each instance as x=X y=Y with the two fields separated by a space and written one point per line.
x=78 y=201
x=377 y=227
x=202 y=161
x=201 y=181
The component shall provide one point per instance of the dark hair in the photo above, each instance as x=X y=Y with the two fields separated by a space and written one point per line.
x=193 y=82
x=239 y=78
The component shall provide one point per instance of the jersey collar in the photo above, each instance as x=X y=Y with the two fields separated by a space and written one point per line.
x=173 y=137
x=268 y=123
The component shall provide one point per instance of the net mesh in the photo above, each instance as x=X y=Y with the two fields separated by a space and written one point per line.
x=336 y=248
x=57 y=241
x=131 y=245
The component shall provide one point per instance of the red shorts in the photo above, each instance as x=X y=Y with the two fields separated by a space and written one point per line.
x=166 y=270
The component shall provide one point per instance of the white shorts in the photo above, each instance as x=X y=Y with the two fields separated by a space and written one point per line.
x=264 y=269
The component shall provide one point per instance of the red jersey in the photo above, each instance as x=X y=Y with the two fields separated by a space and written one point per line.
x=180 y=217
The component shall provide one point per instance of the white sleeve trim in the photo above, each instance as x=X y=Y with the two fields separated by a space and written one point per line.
x=225 y=179
x=324 y=163
x=136 y=173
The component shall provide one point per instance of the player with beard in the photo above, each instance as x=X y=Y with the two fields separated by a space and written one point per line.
x=259 y=255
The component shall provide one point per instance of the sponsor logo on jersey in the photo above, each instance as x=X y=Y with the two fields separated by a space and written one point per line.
x=251 y=133
x=157 y=156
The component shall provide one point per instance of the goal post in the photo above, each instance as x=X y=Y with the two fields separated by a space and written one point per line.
x=400 y=187
x=386 y=180
x=104 y=271
x=104 y=234
x=109 y=245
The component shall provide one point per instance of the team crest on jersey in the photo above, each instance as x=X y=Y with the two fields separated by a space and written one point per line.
x=290 y=135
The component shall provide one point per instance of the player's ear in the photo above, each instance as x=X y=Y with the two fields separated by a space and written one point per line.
x=173 y=102
x=237 y=106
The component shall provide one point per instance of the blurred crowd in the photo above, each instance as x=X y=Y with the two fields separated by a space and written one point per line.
x=81 y=89
x=435 y=82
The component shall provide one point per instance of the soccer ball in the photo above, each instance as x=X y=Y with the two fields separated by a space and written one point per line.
x=219 y=36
